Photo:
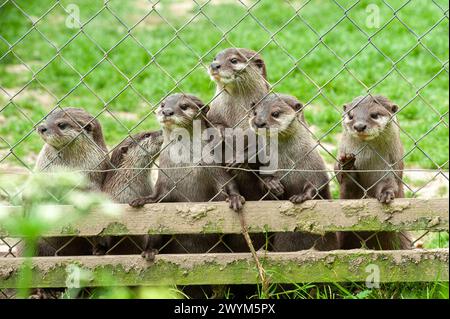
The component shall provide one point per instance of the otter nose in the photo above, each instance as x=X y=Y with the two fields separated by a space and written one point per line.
x=360 y=127
x=215 y=66
x=260 y=124
x=167 y=112
x=42 y=129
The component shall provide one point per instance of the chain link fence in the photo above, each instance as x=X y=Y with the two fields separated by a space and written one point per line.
x=120 y=60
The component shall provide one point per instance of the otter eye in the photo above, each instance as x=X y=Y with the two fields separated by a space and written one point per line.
x=350 y=116
x=254 y=113
x=147 y=135
x=374 y=115
x=184 y=107
x=275 y=114
x=234 y=61
x=163 y=104
x=62 y=126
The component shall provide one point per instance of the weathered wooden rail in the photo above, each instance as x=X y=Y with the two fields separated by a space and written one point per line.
x=233 y=268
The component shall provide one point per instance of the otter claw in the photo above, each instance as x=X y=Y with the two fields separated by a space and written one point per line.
x=386 y=197
x=149 y=254
x=139 y=202
x=298 y=199
x=99 y=250
x=347 y=161
x=274 y=185
x=236 y=202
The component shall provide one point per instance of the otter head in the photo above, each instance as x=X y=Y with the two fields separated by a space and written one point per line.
x=69 y=126
x=366 y=117
x=142 y=146
x=179 y=110
x=238 y=67
x=275 y=111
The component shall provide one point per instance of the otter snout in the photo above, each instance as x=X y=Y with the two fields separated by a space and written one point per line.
x=42 y=129
x=259 y=123
x=168 y=112
x=360 y=127
x=215 y=66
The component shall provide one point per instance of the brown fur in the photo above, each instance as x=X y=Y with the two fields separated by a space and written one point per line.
x=128 y=183
x=198 y=184
x=371 y=141
x=296 y=150
x=238 y=87
x=74 y=141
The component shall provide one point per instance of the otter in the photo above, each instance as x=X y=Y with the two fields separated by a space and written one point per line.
x=133 y=159
x=178 y=114
x=176 y=183
x=240 y=75
x=281 y=114
x=372 y=150
x=241 y=80
x=131 y=179
x=73 y=141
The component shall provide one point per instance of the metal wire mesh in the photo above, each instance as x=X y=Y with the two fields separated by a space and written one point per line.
x=30 y=85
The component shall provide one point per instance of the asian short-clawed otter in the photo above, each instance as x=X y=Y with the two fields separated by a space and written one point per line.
x=130 y=179
x=281 y=114
x=73 y=142
x=180 y=181
x=240 y=76
x=241 y=80
x=186 y=180
x=371 y=165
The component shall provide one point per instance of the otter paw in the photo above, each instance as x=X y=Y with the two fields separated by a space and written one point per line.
x=149 y=254
x=43 y=294
x=99 y=250
x=298 y=199
x=347 y=161
x=139 y=202
x=274 y=186
x=386 y=197
x=236 y=202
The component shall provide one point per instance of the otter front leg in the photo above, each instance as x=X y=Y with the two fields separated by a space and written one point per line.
x=309 y=192
x=346 y=162
x=386 y=190
x=234 y=198
x=348 y=181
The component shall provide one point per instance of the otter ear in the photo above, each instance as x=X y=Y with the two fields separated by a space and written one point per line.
x=117 y=154
x=394 y=108
x=259 y=63
x=202 y=107
x=344 y=108
x=88 y=127
x=388 y=104
x=295 y=104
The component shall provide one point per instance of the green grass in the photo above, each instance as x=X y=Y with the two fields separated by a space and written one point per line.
x=319 y=79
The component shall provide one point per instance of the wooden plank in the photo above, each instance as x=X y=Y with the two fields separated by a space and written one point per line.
x=305 y=266
x=316 y=216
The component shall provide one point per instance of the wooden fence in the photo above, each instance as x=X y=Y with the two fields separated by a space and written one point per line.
x=320 y=216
